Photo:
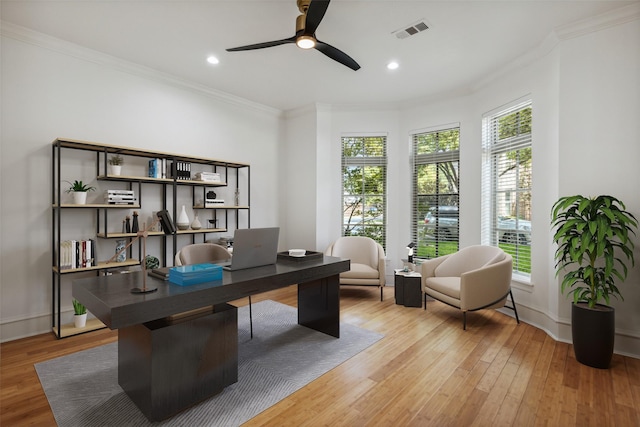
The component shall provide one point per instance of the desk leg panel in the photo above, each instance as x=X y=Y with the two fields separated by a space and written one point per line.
x=319 y=305
x=166 y=366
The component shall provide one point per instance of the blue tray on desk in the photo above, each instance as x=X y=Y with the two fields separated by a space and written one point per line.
x=195 y=273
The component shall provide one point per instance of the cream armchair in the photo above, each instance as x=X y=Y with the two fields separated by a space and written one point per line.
x=198 y=253
x=474 y=278
x=367 y=261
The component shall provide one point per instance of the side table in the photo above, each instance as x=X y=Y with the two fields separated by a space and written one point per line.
x=408 y=288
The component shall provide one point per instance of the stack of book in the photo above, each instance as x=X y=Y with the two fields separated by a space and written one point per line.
x=211 y=203
x=119 y=197
x=195 y=273
x=207 y=176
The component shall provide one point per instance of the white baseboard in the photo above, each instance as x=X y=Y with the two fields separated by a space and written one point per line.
x=627 y=343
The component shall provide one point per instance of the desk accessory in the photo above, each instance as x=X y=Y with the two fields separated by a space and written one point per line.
x=168 y=228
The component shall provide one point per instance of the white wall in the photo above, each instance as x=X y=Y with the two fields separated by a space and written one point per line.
x=586 y=101
x=599 y=136
x=49 y=93
x=586 y=97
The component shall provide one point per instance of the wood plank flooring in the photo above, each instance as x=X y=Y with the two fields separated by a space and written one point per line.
x=425 y=371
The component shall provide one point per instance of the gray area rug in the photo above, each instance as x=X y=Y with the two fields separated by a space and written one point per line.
x=82 y=388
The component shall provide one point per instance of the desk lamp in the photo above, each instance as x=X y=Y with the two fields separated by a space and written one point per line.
x=167 y=226
x=410 y=246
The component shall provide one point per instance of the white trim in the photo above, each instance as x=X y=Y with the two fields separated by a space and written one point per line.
x=44 y=41
x=600 y=22
x=524 y=99
x=364 y=134
x=454 y=125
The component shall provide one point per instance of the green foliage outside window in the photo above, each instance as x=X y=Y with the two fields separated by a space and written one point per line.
x=364 y=181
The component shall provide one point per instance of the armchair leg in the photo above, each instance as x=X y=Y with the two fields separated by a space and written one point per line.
x=425 y=300
x=250 y=318
x=513 y=303
x=464 y=320
x=381 y=288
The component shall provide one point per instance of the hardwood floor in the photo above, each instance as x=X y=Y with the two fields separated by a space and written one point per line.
x=425 y=371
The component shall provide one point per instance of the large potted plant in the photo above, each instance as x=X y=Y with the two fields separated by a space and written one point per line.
x=594 y=250
x=79 y=191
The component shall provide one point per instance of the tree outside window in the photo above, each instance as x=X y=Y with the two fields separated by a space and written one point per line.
x=364 y=182
x=436 y=192
x=507 y=184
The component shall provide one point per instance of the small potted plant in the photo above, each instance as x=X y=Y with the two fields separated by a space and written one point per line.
x=79 y=191
x=594 y=246
x=80 y=314
x=115 y=164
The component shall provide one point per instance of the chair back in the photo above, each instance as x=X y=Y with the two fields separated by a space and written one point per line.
x=359 y=249
x=469 y=259
x=200 y=253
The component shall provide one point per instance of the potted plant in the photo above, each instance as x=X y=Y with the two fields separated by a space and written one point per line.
x=79 y=190
x=115 y=164
x=80 y=316
x=594 y=248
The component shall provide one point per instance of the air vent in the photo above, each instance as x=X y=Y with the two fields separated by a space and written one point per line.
x=412 y=29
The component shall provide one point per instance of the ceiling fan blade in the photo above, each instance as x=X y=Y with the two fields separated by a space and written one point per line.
x=315 y=13
x=263 y=45
x=337 y=55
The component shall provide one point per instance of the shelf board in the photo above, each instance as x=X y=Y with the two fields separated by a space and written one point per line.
x=128 y=151
x=221 y=207
x=69 y=329
x=102 y=265
x=202 y=230
x=126 y=235
x=97 y=206
x=128 y=178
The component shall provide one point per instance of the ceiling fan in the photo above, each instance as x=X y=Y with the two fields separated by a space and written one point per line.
x=306 y=24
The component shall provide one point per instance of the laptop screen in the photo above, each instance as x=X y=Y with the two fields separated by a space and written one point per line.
x=254 y=247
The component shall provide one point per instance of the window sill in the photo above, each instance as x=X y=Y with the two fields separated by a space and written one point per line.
x=522 y=282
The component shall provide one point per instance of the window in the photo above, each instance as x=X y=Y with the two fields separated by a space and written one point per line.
x=506 y=213
x=364 y=186
x=436 y=158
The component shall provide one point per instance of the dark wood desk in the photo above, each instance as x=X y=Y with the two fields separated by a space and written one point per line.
x=168 y=361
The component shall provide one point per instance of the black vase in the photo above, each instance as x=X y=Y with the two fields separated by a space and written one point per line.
x=593 y=331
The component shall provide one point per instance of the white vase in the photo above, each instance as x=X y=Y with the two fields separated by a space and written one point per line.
x=115 y=170
x=196 y=225
x=80 y=197
x=183 y=220
x=80 y=320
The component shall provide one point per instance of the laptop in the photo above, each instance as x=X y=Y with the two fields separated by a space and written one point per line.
x=253 y=247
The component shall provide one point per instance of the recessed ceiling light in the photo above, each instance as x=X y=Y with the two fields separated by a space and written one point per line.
x=393 y=65
x=213 y=60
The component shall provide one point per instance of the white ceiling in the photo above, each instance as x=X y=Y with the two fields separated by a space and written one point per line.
x=467 y=42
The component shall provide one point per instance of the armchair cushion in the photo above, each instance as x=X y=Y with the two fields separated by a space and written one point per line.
x=367 y=260
x=473 y=278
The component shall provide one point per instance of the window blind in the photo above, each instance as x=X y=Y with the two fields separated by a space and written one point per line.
x=435 y=188
x=364 y=187
x=507 y=182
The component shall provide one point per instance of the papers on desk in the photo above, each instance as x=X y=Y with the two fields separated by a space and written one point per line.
x=195 y=273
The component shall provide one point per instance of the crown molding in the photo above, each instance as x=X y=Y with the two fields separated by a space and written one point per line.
x=600 y=22
x=586 y=26
x=45 y=41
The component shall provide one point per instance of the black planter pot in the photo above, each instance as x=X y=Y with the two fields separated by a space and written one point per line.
x=593 y=331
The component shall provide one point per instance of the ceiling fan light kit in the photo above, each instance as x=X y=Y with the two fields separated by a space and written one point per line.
x=312 y=12
x=306 y=42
